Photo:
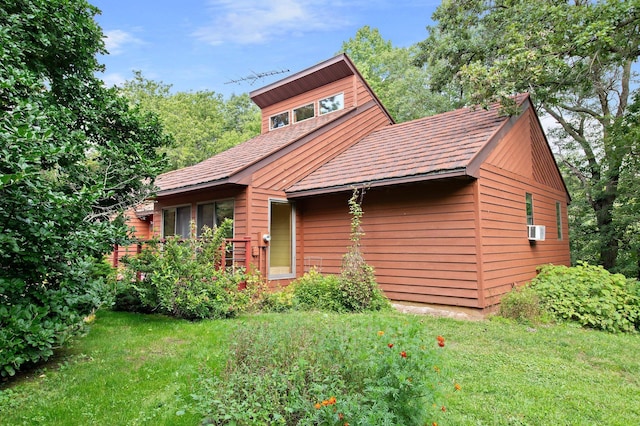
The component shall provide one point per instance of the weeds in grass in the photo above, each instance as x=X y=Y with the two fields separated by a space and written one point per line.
x=318 y=373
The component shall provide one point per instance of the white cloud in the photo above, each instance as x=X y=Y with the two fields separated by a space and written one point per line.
x=113 y=79
x=257 y=22
x=117 y=40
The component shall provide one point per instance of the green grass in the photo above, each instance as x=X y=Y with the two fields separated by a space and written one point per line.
x=142 y=370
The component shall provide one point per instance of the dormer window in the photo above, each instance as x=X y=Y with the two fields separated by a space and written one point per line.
x=279 y=120
x=332 y=103
x=303 y=113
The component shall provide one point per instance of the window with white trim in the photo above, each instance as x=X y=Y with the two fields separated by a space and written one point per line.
x=332 y=103
x=279 y=120
x=303 y=113
x=529 y=208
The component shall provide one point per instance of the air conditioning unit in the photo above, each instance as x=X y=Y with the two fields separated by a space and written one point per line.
x=536 y=232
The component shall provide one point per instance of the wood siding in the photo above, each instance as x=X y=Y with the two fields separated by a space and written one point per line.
x=520 y=164
x=355 y=94
x=297 y=164
x=419 y=238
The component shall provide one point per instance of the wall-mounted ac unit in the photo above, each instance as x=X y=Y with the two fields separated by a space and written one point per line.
x=536 y=232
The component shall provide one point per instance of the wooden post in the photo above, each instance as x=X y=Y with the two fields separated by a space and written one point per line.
x=247 y=252
x=114 y=259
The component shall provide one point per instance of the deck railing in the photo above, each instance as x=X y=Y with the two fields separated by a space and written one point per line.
x=236 y=252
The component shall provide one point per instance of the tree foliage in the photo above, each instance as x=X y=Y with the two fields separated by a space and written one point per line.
x=402 y=87
x=202 y=123
x=72 y=155
x=576 y=58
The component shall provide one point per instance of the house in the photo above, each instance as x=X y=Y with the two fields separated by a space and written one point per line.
x=455 y=204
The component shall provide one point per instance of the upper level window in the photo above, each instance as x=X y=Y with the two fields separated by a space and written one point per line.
x=529 y=207
x=332 y=103
x=213 y=214
x=303 y=113
x=176 y=221
x=279 y=120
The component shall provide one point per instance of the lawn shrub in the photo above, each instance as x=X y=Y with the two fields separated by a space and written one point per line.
x=589 y=295
x=312 y=370
x=521 y=304
x=316 y=291
x=36 y=319
x=183 y=278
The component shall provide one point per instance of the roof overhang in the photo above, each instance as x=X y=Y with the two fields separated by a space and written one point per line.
x=218 y=184
x=437 y=175
x=319 y=75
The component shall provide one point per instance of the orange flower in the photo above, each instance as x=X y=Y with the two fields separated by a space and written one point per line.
x=332 y=400
x=390 y=345
x=434 y=424
x=443 y=409
x=440 y=341
x=403 y=354
x=441 y=344
x=380 y=333
x=317 y=406
x=457 y=387
x=325 y=402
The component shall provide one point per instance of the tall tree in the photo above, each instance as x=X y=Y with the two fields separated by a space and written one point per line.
x=202 y=123
x=575 y=57
x=72 y=155
x=402 y=87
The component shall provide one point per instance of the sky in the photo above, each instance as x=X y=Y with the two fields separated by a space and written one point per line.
x=204 y=44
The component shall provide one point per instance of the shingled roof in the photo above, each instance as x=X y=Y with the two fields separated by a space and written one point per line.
x=451 y=144
x=221 y=168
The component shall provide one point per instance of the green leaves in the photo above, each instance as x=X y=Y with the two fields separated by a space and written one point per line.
x=589 y=295
x=576 y=59
x=72 y=156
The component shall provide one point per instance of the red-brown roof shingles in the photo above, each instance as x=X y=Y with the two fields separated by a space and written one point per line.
x=236 y=159
x=423 y=148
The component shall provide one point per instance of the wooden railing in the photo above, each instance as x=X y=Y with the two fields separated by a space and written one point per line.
x=236 y=252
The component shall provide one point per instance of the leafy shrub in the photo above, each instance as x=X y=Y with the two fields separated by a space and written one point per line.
x=317 y=373
x=521 y=304
x=358 y=287
x=37 y=319
x=589 y=295
x=184 y=278
x=275 y=301
x=316 y=291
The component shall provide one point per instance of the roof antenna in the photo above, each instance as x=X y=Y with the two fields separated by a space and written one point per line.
x=255 y=76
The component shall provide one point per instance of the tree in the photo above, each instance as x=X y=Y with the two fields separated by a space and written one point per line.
x=575 y=58
x=73 y=154
x=402 y=87
x=202 y=123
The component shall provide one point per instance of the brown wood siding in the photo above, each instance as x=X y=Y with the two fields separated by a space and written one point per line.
x=294 y=166
x=508 y=258
x=419 y=238
x=345 y=85
x=545 y=170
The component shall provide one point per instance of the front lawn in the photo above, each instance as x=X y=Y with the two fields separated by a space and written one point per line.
x=144 y=369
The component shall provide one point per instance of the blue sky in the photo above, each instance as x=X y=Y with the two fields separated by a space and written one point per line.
x=202 y=44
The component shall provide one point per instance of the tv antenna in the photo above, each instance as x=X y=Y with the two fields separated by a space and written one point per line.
x=255 y=76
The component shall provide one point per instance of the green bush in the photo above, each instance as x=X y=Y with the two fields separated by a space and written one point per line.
x=184 y=279
x=316 y=291
x=521 y=304
x=313 y=373
x=589 y=295
x=37 y=319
